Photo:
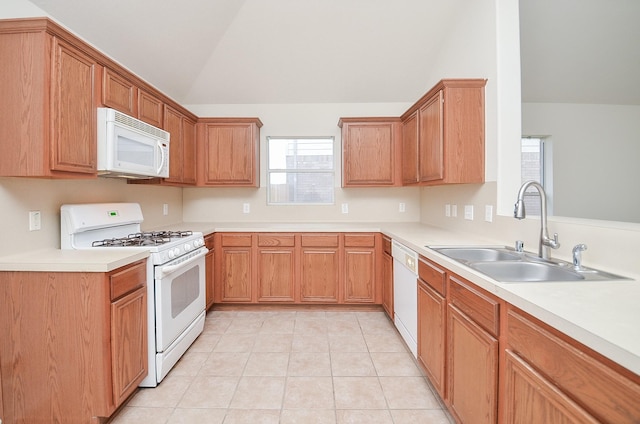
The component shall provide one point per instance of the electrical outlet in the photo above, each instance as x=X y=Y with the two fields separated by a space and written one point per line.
x=468 y=212
x=454 y=211
x=402 y=207
x=488 y=213
x=35 y=219
x=246 y=208
x=345 y=208
x=165 y=209
x=447 y=210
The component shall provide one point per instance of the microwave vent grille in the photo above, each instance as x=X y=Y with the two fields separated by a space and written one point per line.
x=140 y=126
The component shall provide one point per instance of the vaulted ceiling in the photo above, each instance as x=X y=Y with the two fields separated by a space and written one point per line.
x=275 y=51
x=349 y=51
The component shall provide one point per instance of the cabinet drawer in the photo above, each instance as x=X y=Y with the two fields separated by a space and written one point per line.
x=128 y=279
x=360 y=240
x=432 y=275
x=476 y=304
x=605 y=393
x=320 y=240
x=273 y=240
x=236 y=240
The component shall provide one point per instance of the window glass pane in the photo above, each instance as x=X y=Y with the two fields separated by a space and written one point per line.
x=300 y=170
x=301 y=187
x=306 y=153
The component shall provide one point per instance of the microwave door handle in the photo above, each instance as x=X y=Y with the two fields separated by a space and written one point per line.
x=163 y=156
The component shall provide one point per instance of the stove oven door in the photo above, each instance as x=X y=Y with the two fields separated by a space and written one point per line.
x=179 y=296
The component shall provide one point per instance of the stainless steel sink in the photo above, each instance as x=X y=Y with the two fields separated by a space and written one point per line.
x=507 y=265
x=525 y=271
x=479 y=254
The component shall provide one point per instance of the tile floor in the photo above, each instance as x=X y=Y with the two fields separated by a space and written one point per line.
x=291 y=367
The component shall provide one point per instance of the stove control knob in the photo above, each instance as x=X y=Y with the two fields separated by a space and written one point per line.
x=171 y=254
x=176 y=251
x=187 y=247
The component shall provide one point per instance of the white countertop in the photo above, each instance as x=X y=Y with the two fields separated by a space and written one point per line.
x=56 y=260
x=603 y=315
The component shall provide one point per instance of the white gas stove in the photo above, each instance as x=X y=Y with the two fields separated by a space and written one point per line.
x=175 y=274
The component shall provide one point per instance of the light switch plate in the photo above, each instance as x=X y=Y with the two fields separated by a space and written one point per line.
x=488 y=213
x=246 y=208
x=447 y=210
x=35 y=220
x=345 y=208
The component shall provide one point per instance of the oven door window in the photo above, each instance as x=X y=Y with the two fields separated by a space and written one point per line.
x=184 y=290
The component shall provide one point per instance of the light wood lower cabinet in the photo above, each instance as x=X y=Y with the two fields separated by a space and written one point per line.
x=500 y=364
x=387 y=277
x=545 y=368
x=210 y=270
x=276 y=268
x=78 y=343
x=234 y=268
x=297 y=268
x=432 y=323
x=320 y=268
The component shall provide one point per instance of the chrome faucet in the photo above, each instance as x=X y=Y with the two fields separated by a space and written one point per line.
x=519 y=213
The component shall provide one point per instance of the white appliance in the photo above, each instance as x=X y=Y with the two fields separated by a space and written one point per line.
x=405 y=294
x=175 y=274
x=130 y=148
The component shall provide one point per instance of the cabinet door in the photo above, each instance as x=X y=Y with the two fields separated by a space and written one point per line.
x=359 y=275
x=128 y=343
x=236 y=274
x=188 y=151
x=73 y=113
x=530 y=398
x=118 y=93
x=369 y=154
x=230 y=155
x=410 y=149
x=150 y=109
x=472 y=362
x=276 y=272
x=431 y=139
x=431 y=335
x=319 y=275
x=173 y=124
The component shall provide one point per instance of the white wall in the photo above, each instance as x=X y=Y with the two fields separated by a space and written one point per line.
x=595 y=155
x=365 y=204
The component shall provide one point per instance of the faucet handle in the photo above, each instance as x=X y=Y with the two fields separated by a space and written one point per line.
x=555 y=243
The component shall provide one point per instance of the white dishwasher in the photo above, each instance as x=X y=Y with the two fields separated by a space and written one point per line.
x=405 y=294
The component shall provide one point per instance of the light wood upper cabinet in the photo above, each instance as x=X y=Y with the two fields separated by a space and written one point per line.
x=119 y=93
x=182 y=147
x=444 y=131
x=410 y=149
x=229 y=152
x=371 y=151
x=48 y=120
x=150 y=109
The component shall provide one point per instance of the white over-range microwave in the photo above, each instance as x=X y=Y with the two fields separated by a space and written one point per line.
x=130 y=148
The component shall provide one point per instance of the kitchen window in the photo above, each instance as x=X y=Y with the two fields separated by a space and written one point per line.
x=300 y=170
x=535 y=160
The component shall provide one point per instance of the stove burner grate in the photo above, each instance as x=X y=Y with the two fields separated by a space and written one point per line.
x=150 y=238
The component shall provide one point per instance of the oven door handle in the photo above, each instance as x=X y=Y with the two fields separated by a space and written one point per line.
x=168 y=269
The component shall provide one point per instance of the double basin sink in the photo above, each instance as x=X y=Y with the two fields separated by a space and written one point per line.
x=507 y=265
